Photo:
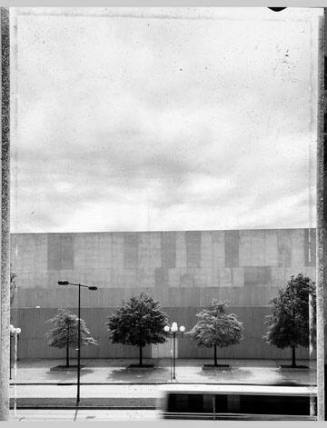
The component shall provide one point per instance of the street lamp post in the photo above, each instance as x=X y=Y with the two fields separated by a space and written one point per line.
x=173 y=330
x=14 y=332
x=79 y=332
x=10 y=350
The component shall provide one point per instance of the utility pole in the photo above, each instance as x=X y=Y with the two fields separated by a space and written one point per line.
x=321 y=218
x=5 y=204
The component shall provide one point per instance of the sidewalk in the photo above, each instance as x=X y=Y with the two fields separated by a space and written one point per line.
x=35 y=372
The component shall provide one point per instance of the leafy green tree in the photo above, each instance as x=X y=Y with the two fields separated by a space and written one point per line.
x=289 y=323
x=12 y=287
x=64 y=333
x=138 y=322
x=215 y=328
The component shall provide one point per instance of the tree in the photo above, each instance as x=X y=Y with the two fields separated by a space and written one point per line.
x=289 y=323
x=64 y=334
x=215 y=328
x=138 y=322
x=12 y=287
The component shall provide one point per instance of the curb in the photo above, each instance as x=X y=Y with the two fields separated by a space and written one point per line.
x=96 y=383
x=98 y=402
x=156 y=383
x=82 y=407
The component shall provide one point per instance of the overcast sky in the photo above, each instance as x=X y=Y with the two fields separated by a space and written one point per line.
x=163 y=119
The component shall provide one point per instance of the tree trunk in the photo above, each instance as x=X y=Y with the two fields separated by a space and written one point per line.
x=293 y=357
x=67 y=348
x=140 y=355
x=215 y=355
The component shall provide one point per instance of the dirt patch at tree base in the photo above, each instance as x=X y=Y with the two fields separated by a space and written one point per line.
x=218 y=366
x=143 y=366
x=64 y=368
x=289 y=366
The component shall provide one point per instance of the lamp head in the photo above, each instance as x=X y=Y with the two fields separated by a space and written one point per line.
x=276 y=9
x=92 y=287
x=174 y=327
x=63 y=282
x=166 y=328
x=182 y=329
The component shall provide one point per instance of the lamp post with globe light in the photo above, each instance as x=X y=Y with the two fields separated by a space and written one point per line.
x=173 y=329
x=79 y=331
x=14 y=332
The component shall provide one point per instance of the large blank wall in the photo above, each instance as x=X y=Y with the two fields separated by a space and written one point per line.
x=245 y=267
x=34 y=325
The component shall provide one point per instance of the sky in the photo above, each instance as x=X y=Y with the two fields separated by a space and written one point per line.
x=163 y=119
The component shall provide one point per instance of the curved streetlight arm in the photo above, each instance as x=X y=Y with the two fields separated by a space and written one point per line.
x=90 y=287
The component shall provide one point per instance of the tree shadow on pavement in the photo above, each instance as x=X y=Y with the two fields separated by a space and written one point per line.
x=248 y=376
x=66 y=374
x=155 y=374
x=232 y=375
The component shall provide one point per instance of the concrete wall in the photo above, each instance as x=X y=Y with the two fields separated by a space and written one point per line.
x=33 y=341
x=178 y=268
x=183 y=270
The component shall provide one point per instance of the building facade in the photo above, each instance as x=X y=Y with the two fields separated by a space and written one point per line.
x=183 y=270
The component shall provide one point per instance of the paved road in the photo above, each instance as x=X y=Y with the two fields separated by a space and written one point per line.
x=61 y=396
x=91 y=395
x=27 y=415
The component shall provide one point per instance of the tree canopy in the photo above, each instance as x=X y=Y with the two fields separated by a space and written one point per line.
x=138 y=322
x=288 y=325
x=215 y=327
x=289 y=322
x=12 y=286
x=64 y=333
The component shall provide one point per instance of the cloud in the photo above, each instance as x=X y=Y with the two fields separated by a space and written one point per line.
x=136 y=124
